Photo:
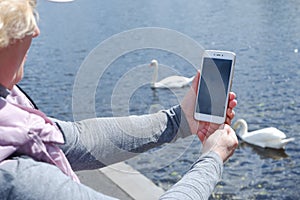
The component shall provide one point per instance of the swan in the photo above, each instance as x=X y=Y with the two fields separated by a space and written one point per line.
x=169 y=82
x=266 y=138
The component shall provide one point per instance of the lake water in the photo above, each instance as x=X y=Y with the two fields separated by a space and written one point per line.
x=264 y=34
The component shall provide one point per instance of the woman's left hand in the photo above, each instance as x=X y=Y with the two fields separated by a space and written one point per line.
x=201 y=128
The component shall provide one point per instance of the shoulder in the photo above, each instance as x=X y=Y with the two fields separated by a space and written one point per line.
x=19 y=96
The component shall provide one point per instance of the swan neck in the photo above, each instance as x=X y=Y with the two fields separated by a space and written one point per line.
x=244 y=127
x=155 y=74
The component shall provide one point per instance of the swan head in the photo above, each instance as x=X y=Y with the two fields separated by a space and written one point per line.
x=241 y=123
x=153 y=63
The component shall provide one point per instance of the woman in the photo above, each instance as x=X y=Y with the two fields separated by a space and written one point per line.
x=38 y=154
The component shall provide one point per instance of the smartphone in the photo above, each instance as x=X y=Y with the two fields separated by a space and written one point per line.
x=216 y=73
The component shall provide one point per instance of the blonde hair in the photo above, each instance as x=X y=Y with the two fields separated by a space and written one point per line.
x=17 y=19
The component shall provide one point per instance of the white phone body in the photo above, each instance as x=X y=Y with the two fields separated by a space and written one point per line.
x=214 y=86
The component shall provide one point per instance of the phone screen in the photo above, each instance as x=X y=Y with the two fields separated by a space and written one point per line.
x=213 y=88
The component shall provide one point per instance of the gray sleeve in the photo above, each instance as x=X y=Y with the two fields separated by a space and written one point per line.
x=23 y=178
x=200 y=180
x=98 y=142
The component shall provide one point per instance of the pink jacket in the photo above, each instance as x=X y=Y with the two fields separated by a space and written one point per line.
x=27 y=131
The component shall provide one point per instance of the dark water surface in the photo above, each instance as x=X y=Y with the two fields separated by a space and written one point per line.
x=265 y=35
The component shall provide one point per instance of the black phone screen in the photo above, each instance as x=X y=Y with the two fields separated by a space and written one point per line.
x=214 y=83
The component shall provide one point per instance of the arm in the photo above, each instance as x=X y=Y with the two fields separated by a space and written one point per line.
x=98 y=142
x=200 y=180
x=24 y=178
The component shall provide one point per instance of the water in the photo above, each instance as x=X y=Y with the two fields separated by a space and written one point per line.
x=263 y=33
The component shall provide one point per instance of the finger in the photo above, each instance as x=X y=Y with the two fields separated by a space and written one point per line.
x=206 y=130
x=232 y=103
x=228 y=121
x=230 y=113
x=202 y=134
x=213 y=126
x=232 y=95
x=195 y=81
x=230 y=116
x=201 y=137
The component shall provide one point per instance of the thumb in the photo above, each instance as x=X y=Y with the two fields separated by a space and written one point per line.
x=195 y=82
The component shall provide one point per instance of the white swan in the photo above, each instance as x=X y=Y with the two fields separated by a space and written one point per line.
x=266 y=138
x=169 y=82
